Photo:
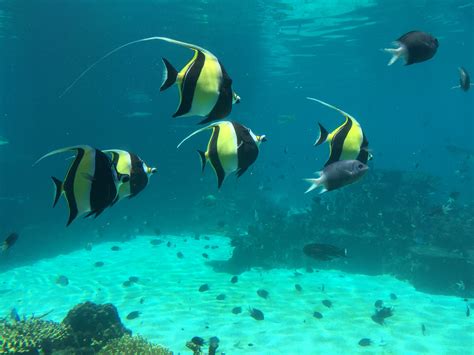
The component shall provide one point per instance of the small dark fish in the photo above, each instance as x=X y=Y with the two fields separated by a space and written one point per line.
x=204 y=288
x=220 y=297
x=214 y=247
x=298 y=288
x=206 y=247
x=127 y=283
x=237 y=310
x=256 y=314
x=133 y=315
x=156 y=241
x=338 y=174
x=464 y=79
x=9 y=241
x=414 y=47
x=234 y=279
x=324 y=251
x=327 y=303
x=204 y=255
x=381 y=314
x=423 y=329
x=468 y=311
x=115 y=248
x=393 y=296
x=99 y=264
x=62 y=280
x=168 y=244
x=133 y=279
x=365 y=342
x=378 y=304
x=157 y=231
x=142 y=300
x=317 y=315
x=179 y=255
x=198 y=341
x=263 y=293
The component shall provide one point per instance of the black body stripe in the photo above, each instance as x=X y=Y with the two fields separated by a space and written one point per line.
x=223 y=106
x=337 y=142
x=363 y=155
x=247 y=152
x=189 y=85
x=103 y=189
x=138 y=177
x=68 y=186
x=214 y=156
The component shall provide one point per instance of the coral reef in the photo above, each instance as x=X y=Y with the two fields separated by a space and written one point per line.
x=95 y=325
x=133 y=345
x=393 y=222
x=87 y=329
x=32 y=336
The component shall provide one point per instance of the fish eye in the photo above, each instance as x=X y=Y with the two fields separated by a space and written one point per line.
x=360 y=166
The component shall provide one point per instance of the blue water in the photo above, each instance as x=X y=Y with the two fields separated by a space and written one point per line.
x=276 y=52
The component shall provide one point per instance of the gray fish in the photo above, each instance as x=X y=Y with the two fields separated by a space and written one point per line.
x=204 y=288
x=237 y=310
x=464 y=80
x=327 y=303
x=9 y=241
x=337 y=175
x=298 y=288
x=317 y=315
x=365 y=342
x=133 y=315
x=220 y=297
x=414 y=47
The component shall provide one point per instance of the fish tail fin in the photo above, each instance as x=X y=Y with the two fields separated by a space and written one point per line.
x=58 y=189
x=169 y=75
x=315 y=183
x=395 y=52
x=4 y=247
x=202 y=155
x=323 y=135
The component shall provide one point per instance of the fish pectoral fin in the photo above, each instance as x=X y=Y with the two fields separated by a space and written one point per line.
x=169 y=75
x=323 y=135
x=202 y=155
x=58 y=186
x=395 y=52
x=315 y=183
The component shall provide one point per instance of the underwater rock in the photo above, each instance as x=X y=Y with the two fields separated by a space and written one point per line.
x=213 y=345
x=99 y=264
x=378 y=304
x=179 y=255
x=256 y=314
x=115 y=248
x=234 y=279
x=198 y=341
x=204 y=288
x=221 y=297
x=298 y=288
x=94 y=325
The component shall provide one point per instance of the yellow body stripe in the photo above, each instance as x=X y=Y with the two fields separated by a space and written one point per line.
x=82 y=181
x=227 y=147
x=207 y=87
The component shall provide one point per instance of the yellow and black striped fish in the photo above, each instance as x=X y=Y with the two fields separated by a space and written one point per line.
x=205 y=88
x=130 y=164
x=91 y=183
x=346 y=142
x=231 y=148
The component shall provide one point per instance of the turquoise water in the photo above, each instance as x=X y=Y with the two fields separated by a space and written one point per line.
x=410 y=216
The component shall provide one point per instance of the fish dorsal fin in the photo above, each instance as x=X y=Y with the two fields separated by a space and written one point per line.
x=333 y=107
x=199 y=131
x=155 y=38
x=63 y=150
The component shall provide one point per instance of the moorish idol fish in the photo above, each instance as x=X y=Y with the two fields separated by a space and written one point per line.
x=231 y=148
x=132 y=165
x=91 y=183
x=346 y=142
x=205 y=88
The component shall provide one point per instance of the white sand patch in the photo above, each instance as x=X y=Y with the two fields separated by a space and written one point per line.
x=173 y=311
